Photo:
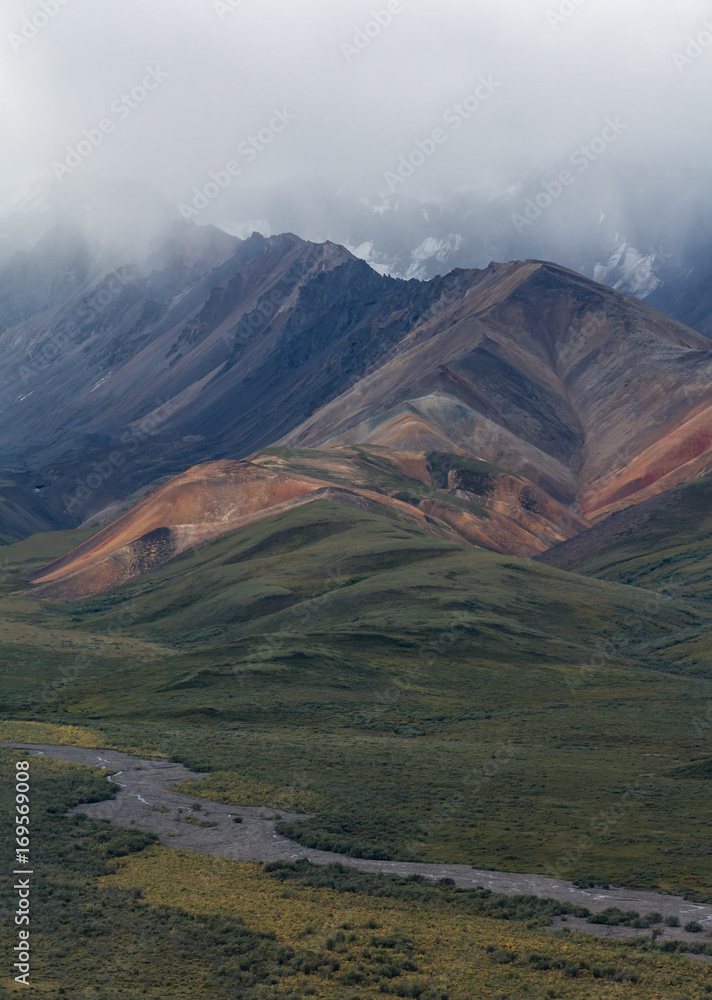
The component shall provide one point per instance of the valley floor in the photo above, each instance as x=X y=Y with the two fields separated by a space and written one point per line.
x=148 y=800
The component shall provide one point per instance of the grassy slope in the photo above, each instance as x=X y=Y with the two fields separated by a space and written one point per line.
x=667 y=545
x=427 y=701
x=373 y=468
x=664 y=546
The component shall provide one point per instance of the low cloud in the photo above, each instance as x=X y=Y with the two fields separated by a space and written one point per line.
x=368 y=85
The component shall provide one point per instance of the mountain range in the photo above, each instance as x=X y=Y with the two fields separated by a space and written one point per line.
x=208 y=381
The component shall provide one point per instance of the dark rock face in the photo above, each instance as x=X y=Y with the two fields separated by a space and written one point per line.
x=228 y=343
x=25 y=511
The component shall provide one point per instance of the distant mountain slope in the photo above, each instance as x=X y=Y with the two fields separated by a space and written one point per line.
x=592 y=395
x=663 y=545
x=485 y=505
x=133 y=341
x=210 y=348
x=689 y=298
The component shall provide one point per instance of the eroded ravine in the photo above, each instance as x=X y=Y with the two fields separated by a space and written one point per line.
x=146 y=800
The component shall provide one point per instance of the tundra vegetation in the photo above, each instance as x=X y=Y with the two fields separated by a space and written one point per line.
x=157 y=922
x=424 y=702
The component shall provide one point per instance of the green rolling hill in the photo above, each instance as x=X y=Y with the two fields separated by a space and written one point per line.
x=423 y=698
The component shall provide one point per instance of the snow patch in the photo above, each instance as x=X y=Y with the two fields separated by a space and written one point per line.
x=378 y=261
x=628 y=270
x=432 y=248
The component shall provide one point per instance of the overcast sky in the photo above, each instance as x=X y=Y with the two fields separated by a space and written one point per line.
x=317 y=96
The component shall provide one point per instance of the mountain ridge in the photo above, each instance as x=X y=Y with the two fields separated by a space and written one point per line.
x=215 y=348
x=490 y=324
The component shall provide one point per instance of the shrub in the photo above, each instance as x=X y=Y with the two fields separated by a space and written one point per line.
x=615 y=917
x=502 y=956
x=409 y=989
x=591 y=882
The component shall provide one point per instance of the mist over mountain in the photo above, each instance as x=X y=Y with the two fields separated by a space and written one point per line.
x=437 y=141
